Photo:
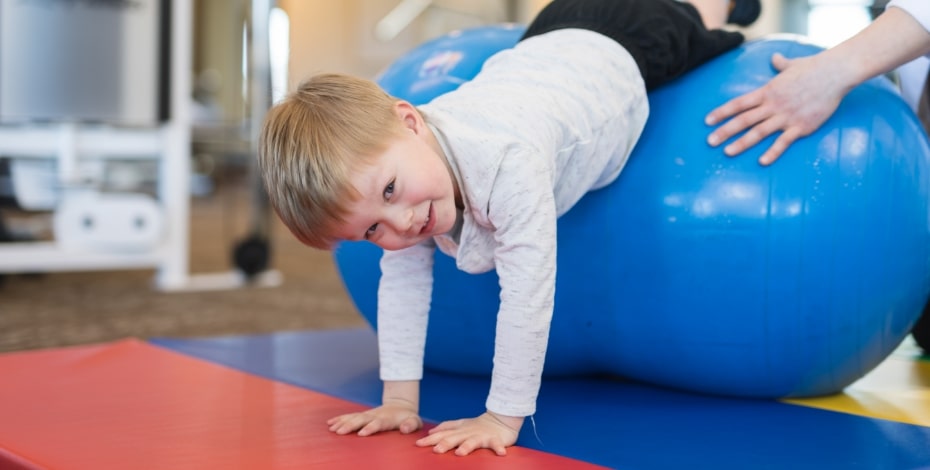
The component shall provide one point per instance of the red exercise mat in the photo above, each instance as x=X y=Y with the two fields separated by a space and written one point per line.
x=131 y=405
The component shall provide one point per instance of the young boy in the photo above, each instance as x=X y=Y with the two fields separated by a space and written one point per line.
x=481 y=173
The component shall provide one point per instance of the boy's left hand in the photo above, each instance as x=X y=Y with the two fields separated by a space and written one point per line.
x=488 y=431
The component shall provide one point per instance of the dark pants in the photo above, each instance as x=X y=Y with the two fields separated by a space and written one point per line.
x=666 y=38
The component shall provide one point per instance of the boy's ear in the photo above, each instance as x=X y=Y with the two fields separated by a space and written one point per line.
x=409 y=116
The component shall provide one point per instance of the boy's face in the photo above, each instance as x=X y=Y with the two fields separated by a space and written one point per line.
x=407 y=193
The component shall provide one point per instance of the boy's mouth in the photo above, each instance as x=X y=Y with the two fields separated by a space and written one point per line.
x=430 y=221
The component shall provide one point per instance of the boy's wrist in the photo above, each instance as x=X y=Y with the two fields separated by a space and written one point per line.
x=512 y=422
x=405 y=393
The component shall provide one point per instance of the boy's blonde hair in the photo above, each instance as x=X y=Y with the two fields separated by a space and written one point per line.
x=310 y=144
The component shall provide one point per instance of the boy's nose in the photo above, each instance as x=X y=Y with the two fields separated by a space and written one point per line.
x=402 y=220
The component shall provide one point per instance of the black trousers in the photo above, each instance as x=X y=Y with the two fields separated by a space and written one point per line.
x=666 y=38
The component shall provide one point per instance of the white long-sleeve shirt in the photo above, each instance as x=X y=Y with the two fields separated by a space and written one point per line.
x=913 y=75
x=541 y=125
x=919 y=9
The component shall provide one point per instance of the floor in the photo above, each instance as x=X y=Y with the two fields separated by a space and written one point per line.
x=62 y=309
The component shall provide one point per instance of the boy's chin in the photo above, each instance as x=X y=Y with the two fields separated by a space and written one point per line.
x=406 y=245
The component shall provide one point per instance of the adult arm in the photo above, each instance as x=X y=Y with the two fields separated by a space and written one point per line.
x=808 y=90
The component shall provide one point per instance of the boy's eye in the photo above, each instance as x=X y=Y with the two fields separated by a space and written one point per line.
x=371 y=231
x=389 y=190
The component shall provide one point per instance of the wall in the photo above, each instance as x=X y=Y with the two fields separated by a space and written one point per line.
x=217 y=56
x=339 y=36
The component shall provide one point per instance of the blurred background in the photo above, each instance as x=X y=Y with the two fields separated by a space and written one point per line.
x=128 y=201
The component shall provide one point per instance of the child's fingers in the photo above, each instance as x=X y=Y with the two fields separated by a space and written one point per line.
x=349 y=423
x=337 y=419
x=443 y=441
x=410 y=425
x=499 y=449
x=447 y=425
x=430 y=440
x=343 y=427
x=337 y=423
x=374 y=426
x=466 y=447
x=476 y=442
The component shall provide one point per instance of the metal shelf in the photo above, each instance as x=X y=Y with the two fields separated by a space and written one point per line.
x=25 y=257
x=170 y=143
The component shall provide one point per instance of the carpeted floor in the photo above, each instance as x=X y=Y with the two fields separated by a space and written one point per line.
x=60 y=309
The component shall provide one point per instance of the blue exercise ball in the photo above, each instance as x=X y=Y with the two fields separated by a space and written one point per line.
x=713 y=274
x=444 y=63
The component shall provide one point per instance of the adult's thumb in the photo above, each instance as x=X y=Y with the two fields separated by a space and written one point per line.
x=780 y=62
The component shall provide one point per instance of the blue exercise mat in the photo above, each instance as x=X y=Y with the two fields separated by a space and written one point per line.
x=606 y=421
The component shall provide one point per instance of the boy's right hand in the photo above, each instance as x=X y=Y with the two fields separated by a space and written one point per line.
x=387 y=417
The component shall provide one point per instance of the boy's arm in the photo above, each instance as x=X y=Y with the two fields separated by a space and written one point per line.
x=526 y=266
x=523 y=211
x=403 y=307
x=404 y=295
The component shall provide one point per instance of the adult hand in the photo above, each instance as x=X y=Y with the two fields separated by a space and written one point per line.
x=796 y=102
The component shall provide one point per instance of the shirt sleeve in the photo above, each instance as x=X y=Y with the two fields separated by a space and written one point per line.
x=919 y=9
x=523 y=211
x=404 y=295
